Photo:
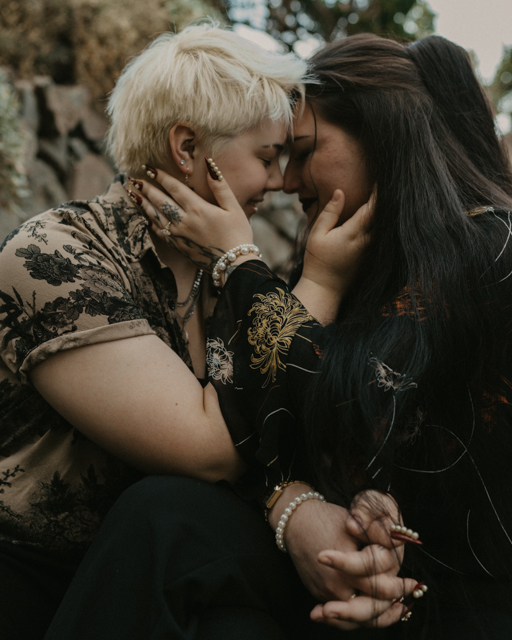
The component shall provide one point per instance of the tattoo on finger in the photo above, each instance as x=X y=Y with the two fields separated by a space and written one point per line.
x=171 y=212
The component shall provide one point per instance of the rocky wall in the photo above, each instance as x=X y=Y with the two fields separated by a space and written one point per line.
x=66 y=160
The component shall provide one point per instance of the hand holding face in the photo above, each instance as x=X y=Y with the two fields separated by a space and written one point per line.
x=201 y=231
x=333 y=252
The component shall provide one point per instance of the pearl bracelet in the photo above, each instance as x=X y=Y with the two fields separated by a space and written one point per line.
x=288 y=512
x=230 y=256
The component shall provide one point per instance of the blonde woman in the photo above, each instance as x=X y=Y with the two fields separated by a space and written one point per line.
x=103 y=349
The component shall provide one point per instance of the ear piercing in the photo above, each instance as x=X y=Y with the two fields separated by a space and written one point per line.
x=213 y=169
x=182 y=162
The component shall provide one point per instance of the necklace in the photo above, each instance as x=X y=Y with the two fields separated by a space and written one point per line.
x=193 y=291
x=193 y=297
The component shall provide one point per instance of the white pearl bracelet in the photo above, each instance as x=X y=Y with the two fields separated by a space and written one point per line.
x=230 y=256
x=311 y=495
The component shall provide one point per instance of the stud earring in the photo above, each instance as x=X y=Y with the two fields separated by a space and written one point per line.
x=182 y=161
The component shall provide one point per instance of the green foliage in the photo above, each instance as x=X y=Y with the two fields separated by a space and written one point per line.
x=501 y=88
x=293 y=20
x=13 y=180
x=86 y=41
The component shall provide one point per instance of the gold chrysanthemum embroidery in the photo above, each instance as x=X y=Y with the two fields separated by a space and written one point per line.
x=277 y=318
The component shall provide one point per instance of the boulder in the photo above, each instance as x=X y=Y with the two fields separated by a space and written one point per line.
x=89 y=177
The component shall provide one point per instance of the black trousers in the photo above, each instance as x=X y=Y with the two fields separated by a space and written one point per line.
x=181 y=559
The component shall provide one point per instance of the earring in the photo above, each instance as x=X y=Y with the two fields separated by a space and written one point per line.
x=186 y=179
x=182 y=161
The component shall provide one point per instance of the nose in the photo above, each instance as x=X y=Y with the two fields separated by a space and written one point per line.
x=291 y=179
x=275 y=179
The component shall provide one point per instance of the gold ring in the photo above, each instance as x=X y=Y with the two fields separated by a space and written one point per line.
x=167 y=229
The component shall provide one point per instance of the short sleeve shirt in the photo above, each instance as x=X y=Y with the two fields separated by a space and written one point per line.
x=84 y=273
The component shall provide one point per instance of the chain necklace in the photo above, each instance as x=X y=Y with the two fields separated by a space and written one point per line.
x=193 y=297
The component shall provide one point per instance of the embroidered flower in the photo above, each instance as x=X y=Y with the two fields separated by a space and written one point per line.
x=277 y=319
x=390 y=379
x=219 y=361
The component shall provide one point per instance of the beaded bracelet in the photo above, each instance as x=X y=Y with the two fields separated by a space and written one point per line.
x=288 y=512
x=230 y=256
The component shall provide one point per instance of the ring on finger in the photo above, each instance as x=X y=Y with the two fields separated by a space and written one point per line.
x=167 y=229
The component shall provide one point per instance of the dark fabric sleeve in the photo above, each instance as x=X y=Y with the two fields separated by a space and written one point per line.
x=262 y=352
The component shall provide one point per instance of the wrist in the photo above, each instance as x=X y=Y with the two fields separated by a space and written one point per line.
x=288 y=494
x=320 y=299
x=233 y=258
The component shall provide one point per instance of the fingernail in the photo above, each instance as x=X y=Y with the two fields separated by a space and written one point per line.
x=336 y=197
x=404 y=538
x=325 y=560
x=213 y=169
x=136 y=183
x=135 y=197
x=399 y=532
x=152 y=173
x=398 y=600
x=407 y=613
x=419 y=590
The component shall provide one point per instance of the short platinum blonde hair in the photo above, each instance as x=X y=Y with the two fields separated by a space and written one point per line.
x=213 y=79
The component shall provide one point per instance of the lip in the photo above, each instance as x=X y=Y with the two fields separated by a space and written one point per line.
x=251 y=206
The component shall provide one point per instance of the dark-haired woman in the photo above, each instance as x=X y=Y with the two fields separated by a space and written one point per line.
x=408 y=391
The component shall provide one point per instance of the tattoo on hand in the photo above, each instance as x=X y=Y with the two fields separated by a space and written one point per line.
x=204 y=257
x=171 y=212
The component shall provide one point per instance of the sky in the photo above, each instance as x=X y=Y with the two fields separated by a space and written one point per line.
x=484 y=26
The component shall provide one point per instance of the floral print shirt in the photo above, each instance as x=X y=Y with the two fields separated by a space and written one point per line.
x=260 y=338
x=80 y=274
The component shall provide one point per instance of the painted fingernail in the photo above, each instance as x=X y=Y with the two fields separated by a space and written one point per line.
x=407 y=613
x=400 y=600
x=135 y=197
x=213 y=169
x=420 y=590
x=152 y=173
x=404 y=538
x=398 y=532
x=136 y=183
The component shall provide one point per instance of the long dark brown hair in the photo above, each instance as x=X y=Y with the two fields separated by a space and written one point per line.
x=425 y=319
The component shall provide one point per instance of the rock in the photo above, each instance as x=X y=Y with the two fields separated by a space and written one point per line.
x=78 y=148
x=47 y=191
x=277 y=250
x=28 y=100
x=95 y=125
x=8 y=221
x=64 y=108
x=89 y=177
x=55 y=152
x=285 y=220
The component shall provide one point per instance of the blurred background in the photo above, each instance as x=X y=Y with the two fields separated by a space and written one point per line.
x=59 y=59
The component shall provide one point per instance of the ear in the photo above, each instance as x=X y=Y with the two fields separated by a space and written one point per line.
x=182 y=139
